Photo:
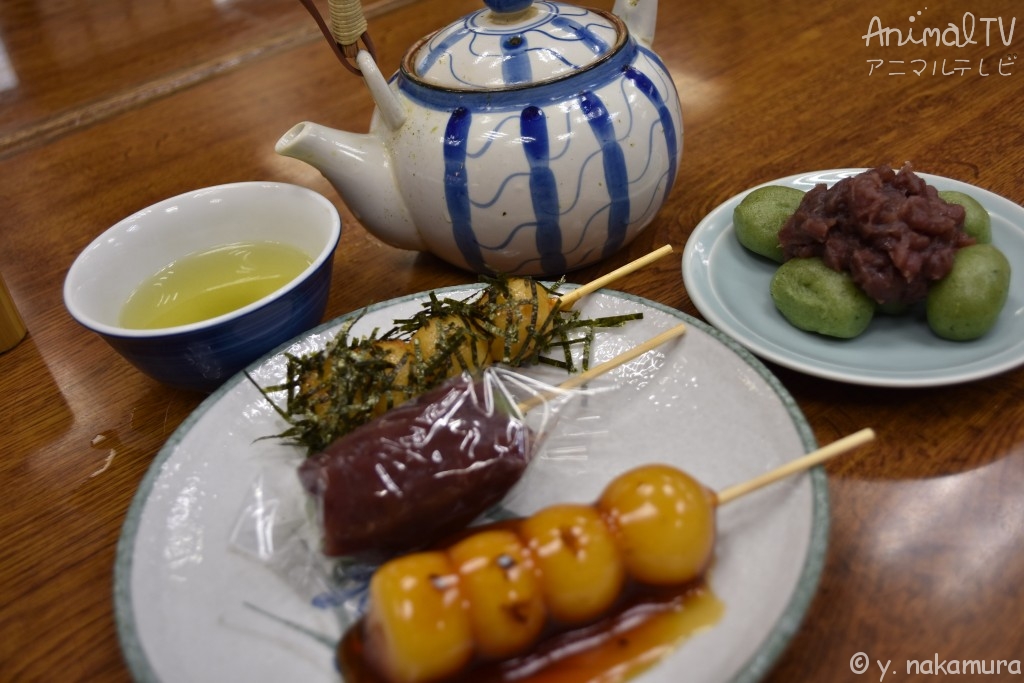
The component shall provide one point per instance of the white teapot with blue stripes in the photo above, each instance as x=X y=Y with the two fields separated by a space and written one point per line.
x=527 y=138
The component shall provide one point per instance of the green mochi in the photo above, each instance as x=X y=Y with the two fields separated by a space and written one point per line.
x=977 y=222
x=815 y=298
x=966 y=303
x=761 y=214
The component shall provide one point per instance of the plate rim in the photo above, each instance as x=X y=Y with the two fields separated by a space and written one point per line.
x=712 y=225
x=758 y=665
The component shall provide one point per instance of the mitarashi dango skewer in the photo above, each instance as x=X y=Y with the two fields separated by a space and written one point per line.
x=511 y=321
x=492 y=593
x=427 y=468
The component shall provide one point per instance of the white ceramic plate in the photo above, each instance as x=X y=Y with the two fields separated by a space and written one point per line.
x=700 y=401
x=729 y=286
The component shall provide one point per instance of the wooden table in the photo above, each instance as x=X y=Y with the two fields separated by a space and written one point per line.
x=109 y=106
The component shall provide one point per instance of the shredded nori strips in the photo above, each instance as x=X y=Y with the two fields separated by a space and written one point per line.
x=351 y=380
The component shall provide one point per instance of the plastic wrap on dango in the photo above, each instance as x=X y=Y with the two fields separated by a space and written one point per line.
x=422 y=471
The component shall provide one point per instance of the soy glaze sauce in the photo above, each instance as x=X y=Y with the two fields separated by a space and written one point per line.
x=647 y=626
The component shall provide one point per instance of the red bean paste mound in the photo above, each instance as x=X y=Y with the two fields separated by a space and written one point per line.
x=890 y=231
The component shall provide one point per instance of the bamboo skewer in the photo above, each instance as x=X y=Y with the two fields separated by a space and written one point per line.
x=624 y=357
x=570 y=298
x=621 y=359
x=813 y=458
x=307 y=377
x=567 y=300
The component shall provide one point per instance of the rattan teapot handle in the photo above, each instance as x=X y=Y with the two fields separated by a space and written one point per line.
x=347 y=28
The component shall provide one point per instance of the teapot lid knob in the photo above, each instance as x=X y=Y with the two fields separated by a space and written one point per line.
x=508 y=6
x=512 y=44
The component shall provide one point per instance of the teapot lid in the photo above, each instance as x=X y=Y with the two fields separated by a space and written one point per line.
x=514 y=44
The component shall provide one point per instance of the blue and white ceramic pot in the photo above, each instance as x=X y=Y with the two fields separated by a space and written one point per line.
x=527 y=138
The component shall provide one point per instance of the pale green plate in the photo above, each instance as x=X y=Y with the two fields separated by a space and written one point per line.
x=729 y=286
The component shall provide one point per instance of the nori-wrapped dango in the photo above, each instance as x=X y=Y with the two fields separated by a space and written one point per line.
x=353 y=380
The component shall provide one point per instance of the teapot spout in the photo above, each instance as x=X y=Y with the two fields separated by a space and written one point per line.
x=358 y=166
x=641 y=17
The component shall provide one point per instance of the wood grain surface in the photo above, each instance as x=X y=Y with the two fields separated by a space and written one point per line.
x=111 y=105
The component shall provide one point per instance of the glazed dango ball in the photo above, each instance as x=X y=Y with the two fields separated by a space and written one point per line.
x=500 y=592
x=663 y=522
x=491 y=594
x=418 y=628
x=579 y=564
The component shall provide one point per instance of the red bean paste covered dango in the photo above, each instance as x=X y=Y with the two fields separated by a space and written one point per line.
x=890 y=231
x=421 y=471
